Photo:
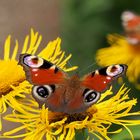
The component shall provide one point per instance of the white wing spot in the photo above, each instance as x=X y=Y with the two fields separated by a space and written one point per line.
x=53 y=67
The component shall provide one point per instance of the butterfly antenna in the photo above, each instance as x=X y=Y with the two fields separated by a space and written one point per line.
x=68 y=61
x=89 y=66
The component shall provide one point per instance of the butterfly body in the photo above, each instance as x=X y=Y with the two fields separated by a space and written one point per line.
x=63 y=93
x=68 y=96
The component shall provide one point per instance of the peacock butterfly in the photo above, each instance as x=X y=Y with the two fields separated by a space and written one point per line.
x=131 y=24
x=62 y=93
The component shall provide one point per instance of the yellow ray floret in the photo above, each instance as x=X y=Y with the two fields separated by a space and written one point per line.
x=40 y=123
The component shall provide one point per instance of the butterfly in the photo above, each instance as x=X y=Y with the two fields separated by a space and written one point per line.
x=131 y=24
x=63 y=93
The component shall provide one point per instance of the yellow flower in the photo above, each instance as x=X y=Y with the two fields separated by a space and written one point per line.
x=110 y=109
x=121 y=52
x=13 y=84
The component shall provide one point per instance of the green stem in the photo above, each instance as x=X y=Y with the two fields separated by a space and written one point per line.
x=81 y=134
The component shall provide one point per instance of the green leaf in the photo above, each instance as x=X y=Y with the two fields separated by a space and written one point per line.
x=81 y=134
x=124 y=135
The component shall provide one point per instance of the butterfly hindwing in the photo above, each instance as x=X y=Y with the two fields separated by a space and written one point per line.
x=39 y=71
x=99 y=80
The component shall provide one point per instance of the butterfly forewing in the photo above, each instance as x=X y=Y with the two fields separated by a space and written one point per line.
x=39 y=71
x=99 y=80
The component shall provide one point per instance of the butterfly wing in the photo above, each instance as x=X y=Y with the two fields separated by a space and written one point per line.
x=99 y=80
x=61 y=95
x=131 y=24
x=130 y=20
x=39 y=71
x=48 y=81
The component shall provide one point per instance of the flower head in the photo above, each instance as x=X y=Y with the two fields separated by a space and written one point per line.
x=40 y=123
x=13 y=84
x=121 y=52
x=124 y=49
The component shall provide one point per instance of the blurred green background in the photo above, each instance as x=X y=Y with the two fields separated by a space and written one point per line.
x=83 y=26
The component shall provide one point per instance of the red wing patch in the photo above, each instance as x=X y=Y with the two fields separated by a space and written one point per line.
x=130 y=20
x=45 y=76
x=135 y=22
x=39 y=71
x=101 y=79
x=97 y=82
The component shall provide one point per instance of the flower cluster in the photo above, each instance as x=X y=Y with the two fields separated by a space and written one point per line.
x=13 y=84
x=97 y=119
x=39 y=123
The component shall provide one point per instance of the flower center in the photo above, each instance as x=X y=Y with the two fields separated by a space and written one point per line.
x=10 y=74
x=134 y=49
x=78 y=117
x=56 y=116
